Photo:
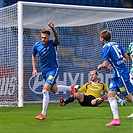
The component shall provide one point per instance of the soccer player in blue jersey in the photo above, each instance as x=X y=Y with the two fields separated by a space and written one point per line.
x=113 y=53
x=46 y=49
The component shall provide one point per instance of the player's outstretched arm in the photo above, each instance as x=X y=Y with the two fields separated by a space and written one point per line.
x=51 y=25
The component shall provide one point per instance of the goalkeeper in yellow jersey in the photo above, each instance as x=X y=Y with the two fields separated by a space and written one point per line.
x=92 y=89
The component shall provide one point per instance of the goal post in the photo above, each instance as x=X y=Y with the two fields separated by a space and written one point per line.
x=78 y=53
x=20 y=55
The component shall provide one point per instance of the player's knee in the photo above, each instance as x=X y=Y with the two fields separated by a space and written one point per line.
x=111 y=94
x=54 y=89
x=129 y=98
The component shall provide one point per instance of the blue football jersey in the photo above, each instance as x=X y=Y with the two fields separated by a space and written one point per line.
x=113 y=52
x=47 y=55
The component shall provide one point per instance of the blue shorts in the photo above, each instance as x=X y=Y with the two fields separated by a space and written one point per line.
x=51 y=76
x=121 y=84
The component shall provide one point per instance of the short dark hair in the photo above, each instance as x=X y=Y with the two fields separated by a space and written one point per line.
x=106 y=34
x=44 y=31
x=94 y=71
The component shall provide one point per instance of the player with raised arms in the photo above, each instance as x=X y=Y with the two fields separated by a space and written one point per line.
x=46 y=49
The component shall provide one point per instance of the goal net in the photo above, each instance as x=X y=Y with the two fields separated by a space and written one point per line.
x=78 y=53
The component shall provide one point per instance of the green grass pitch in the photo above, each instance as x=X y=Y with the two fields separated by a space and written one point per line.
x=69 y=119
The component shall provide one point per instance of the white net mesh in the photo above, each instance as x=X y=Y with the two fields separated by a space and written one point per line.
x=8 y=56
x=68 y=15
x=79 y=50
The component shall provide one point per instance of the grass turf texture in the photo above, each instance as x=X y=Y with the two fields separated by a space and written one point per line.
x=69 y=119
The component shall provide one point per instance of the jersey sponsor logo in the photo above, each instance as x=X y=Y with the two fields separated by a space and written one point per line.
x=94 y=88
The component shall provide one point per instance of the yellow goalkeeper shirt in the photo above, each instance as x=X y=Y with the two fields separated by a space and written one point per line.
x=94 y=89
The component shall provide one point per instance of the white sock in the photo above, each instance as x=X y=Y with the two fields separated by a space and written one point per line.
x=119 y=100
x=45 y=101
x=62 y=88
x=114 y=107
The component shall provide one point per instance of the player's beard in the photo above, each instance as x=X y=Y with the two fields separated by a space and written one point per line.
x=44 y=43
